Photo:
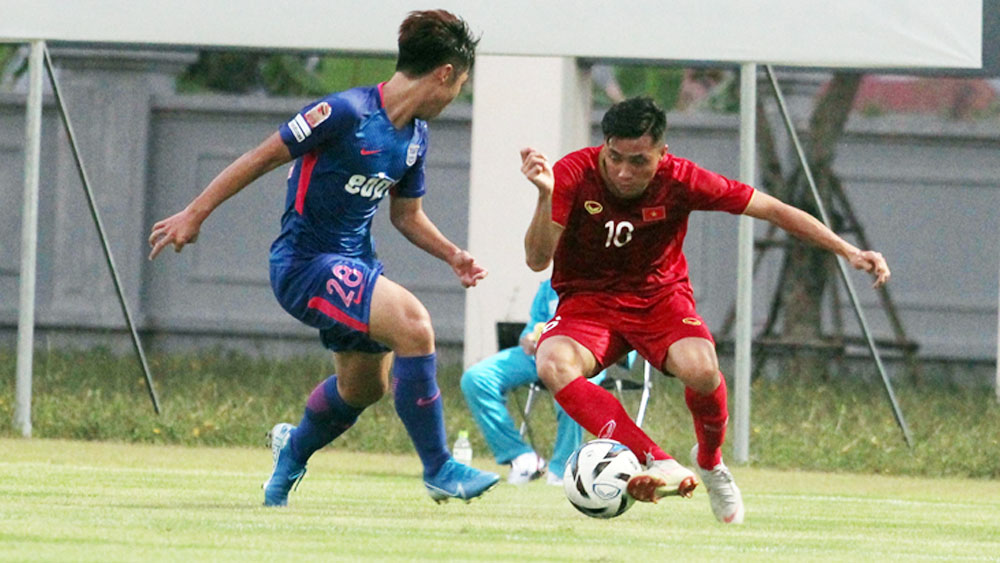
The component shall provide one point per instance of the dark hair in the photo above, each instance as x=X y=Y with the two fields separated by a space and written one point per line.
x=633 y=118
x=431 y=38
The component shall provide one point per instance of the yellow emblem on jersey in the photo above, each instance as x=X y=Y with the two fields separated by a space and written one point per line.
x=593 y=207
x=691 y=321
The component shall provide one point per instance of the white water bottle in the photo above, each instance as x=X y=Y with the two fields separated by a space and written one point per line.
x=462 y=452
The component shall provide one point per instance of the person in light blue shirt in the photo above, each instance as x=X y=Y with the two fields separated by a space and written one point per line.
x=487 y=384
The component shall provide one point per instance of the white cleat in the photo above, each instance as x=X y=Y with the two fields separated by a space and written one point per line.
x=662 y=478
x=723 y=494
x=553 y=479
x=526 y=467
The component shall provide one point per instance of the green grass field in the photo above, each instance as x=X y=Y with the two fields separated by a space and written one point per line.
x=97 y=501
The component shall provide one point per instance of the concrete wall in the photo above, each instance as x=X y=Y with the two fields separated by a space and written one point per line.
x=926 y=191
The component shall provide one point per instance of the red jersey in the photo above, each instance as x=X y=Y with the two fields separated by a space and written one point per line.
x=631 y=246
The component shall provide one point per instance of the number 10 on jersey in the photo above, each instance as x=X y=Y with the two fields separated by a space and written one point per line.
x=619 y=233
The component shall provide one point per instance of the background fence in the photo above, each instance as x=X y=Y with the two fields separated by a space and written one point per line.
x=925 y=188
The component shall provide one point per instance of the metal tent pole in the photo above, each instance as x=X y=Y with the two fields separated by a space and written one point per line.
x=896 y=411
x=744 y=289
x=137 y=344
x=29 y=241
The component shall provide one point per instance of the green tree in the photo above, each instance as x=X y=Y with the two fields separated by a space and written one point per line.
x=10 y=65
x=243 y=72
x=663 y=84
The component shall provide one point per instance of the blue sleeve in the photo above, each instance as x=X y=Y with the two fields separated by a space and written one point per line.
x=540 y=310
x=319 y=121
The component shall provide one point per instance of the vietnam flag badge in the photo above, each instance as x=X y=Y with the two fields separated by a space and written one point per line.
x=651 y=214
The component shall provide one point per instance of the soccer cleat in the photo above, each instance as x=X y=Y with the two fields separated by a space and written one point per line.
x=286 y=472
x=276 y=438
x=553 y=479
x=526 y=467
x=723 y=494
x=455 y=480
x=662 y=478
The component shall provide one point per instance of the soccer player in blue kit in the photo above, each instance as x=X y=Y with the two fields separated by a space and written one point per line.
x=351 y=149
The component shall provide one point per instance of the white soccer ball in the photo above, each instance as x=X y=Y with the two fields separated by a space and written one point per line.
x=596 y=478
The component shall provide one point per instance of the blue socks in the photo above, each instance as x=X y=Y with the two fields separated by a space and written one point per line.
x=418 y=404
x=327 y=416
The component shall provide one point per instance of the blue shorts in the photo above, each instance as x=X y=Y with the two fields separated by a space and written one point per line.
x=332 y=293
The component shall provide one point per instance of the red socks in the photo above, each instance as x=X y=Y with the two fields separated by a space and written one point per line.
x=710 y=415
x=600 y=413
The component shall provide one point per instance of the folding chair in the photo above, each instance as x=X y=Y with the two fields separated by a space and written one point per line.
x=614 y=381
x=508 y=336
x=621 y=384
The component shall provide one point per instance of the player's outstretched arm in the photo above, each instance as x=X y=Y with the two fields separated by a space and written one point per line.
x=407 y=215
x=543 y=235
x=808 y=228
x=182 y=228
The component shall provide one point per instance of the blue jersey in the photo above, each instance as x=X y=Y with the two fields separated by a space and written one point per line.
x=348 y=157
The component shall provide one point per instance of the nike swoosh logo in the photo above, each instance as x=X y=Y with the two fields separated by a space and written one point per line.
x=424 y=401
x=608 y=429
x=459 y=491
x=366 y=152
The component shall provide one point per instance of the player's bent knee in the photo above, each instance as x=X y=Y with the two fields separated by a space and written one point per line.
x=702 y=378
x=555 y=376
x=412 y=334
x=420 y=333
x=364 y=396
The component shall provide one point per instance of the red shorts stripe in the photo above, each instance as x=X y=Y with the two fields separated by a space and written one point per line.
x=328 y=309
x=305 y=175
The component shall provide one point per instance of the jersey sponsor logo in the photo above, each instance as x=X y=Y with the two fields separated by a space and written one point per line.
x=691 y=321
x=593 y=207
x=366 y=152
x=374 y=187
x=551 y=324
x=299 y=128
x=651 y=214
x=411 y=153
x=317 y=114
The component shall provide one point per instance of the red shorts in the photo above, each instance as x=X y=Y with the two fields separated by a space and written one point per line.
x=611 y=325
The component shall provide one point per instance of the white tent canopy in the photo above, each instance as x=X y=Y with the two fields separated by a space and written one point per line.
x=856 y=33
x=528 y=87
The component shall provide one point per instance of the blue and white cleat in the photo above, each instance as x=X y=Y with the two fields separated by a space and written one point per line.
x=455 y=480
x=287 y=472
x=277 y=436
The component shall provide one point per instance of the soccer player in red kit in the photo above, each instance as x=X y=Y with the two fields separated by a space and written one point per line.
x=612 y=219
